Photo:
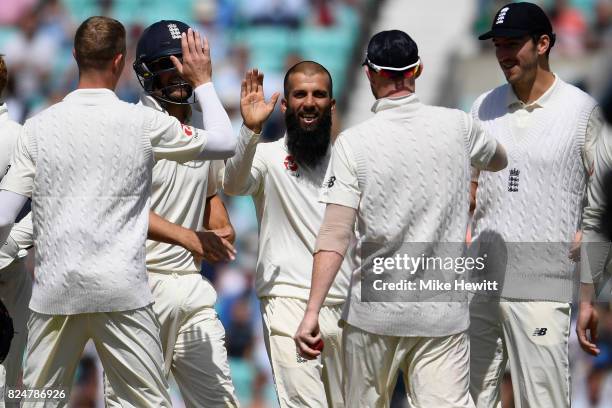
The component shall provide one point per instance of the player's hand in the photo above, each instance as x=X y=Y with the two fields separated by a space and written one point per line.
x=308 y=337
x=209 y=246
x=588 y=320
x=253 y=106
x=196 y=66
x=574 y=254
x=226 y=233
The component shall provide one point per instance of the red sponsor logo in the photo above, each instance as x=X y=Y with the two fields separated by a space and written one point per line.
x=187 y=130
x=290 y=164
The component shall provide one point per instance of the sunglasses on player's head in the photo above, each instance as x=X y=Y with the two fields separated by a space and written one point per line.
x=390 y=72
x=163 y=64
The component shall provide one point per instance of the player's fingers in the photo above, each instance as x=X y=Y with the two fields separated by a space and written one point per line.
x=185 y=46
x=191 y=42
x=243 y=89
x=305 y=350
x=177 y=64
x=273 y=100
x=198 y=48
x=254 y=80
x=205 y=47
x=248 y=81
x=260 y=78
x=228 y=245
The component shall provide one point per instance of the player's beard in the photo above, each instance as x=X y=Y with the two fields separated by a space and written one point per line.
x=308 y=146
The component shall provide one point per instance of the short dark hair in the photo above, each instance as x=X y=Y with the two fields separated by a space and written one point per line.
x=307 y=68
x=3 y=74
x=97 y=41
x=535 y=37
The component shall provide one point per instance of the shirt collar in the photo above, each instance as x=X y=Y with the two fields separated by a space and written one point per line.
x=409 y=101
x=151 y=102
x=513 y=102
x=91 y=96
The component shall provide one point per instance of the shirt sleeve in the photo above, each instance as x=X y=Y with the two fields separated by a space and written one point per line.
x=341 y=185
x=245 y=172
x=19 y=177
x=480 y=144
x=215 y=177
x=595 y=249
x=180 y=142
x=592 y=136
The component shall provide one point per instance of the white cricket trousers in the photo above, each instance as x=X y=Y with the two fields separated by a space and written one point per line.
x=533 y=338
x=127 y=343
x=435 y=369
x=15 y=292
x=193 y=341
x=300 y=382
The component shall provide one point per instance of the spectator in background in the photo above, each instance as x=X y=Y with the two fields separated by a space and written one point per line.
x=28 y=56
x=288 y=13
x=570 y=26
x=600 y=34
x=11 y=11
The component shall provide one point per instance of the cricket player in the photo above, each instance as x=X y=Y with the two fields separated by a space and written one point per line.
x=283 y=178
x=86 y=162
x=529 y=210
x=15 y=281
x=404 y=176
x=596 y=258
x=184 y=194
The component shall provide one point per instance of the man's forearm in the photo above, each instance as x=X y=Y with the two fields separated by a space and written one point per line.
x=325 y=267
x=221 y=142
x=162 y=230
x=217 y=219
x=238 y=179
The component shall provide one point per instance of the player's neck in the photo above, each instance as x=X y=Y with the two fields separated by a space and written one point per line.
x=96 y=79
x=181 y=112
x=533 y=88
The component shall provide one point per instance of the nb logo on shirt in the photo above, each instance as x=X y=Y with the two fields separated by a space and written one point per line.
x=540 y=331
x=331 y=181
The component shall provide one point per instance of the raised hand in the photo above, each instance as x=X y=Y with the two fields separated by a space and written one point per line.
x=253 y=106
x=196 y=66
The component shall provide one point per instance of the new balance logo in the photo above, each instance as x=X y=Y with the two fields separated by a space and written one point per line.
x=331 y=181
x=540 y=331
x=502 y=15
x=513 y=180
x=174 y=31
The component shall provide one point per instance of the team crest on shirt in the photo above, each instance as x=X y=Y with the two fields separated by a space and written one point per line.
x=291 y=166
x=513 y=180
x=187 y=130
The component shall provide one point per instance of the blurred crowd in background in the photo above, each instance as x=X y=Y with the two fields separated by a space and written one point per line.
x=272 y=35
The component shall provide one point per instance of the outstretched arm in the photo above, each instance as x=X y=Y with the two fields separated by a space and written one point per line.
x=244 y=175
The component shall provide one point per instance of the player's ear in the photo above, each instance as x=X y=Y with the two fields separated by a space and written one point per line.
x=419 y=71
x=118 y=63
x=283 y=105
x=367 y=72
x=333 y=104
x=74 y=53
